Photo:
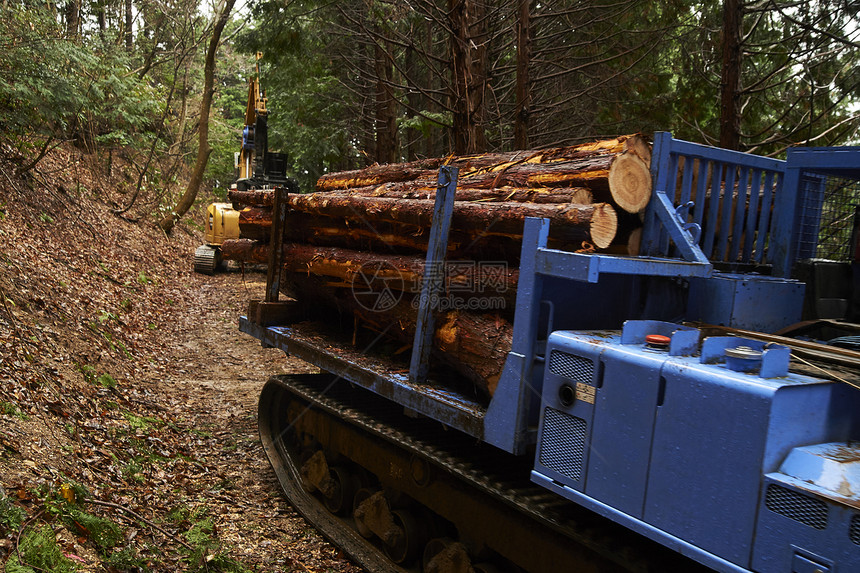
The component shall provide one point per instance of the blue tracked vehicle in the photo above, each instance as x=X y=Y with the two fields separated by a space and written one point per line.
x=654 y=412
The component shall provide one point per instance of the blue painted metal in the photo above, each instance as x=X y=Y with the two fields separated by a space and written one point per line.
x=747 y=301
x=721 y=184
x=676 y=544
x=434 y=273
x=804 y=167
x=830 y=469
x=507 y=420
x=681 y=442
x=676 y=446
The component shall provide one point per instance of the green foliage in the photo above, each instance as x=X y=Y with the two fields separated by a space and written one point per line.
x=58 y=87
x=125 y=559
x=105 y=534
x=11 y=409
x=38 y=551
x=92 y=376
x=107 y=381
x=207 y=554
x=11 y=516
x=311 y=117
x=143 y=423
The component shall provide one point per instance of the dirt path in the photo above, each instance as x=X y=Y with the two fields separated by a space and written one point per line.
x=216 y=378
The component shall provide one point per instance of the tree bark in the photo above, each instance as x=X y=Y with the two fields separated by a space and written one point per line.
x=73 y=18
x=466 y=280
x=187 y=200
x=585 y=165
x=129 y=26
x=596 y=222
x=426 y=189
x=468 y=74
x=730 y=117
x=474 y=344
x=523 y=88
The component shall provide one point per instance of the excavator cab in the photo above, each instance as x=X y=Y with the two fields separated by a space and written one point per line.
x=222 y=223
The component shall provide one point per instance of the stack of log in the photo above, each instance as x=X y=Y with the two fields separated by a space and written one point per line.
x=358 y=244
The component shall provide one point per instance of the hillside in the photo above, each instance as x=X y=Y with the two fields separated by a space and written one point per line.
x=128 y=437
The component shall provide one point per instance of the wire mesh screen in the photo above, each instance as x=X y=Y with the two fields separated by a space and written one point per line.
x=827 y=217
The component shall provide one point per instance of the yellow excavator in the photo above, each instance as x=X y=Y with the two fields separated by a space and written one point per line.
x=256 y=168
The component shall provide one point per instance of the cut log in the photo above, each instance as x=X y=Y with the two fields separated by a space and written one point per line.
x=242 y=199
x=255 y=223
x=478 y=165
x=475 y=345
x=596 y=222
x=364 y=271
x=246 y=251
x=376 y=174
x=630 y=182
x=639 y=146
x=427 y=190
x=370 y=274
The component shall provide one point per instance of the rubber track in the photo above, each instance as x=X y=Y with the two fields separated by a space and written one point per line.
x=480 y=466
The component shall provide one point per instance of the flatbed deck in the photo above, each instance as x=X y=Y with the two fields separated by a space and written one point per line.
x=323 y=346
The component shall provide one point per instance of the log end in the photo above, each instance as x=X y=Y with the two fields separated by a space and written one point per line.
x=604 y=225
x=630 y=182
x=638 y=145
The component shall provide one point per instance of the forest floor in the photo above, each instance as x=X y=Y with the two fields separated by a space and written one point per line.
x=128 y=436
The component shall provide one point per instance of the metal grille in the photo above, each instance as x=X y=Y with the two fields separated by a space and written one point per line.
x=796 y=506
x=827 y=216
x=854 y=532
x=563 y=443
x=570 y=366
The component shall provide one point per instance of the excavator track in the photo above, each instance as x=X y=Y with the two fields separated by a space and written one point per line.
x=448 y=497
x=206 y=260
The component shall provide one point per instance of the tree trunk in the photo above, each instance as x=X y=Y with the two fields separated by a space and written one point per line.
x=427 y=190
x=129 y=26
x=386 y=105
x=203 y=151
x=375 y=272
x=468 y=74
x=595 y=222
x=474 y=344
x=730 y=117
x=73 y=17
x=523 y=89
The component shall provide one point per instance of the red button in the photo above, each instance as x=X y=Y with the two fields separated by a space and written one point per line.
x=658 y=340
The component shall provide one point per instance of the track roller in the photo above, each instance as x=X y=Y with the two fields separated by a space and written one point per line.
x=405 y=547
x=340 y=498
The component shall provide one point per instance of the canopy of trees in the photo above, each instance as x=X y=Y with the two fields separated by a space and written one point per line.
x=352 y=83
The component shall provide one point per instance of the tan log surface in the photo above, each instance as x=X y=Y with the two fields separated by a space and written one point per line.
x=596 y=222
x=377 y=174
x=615 y=171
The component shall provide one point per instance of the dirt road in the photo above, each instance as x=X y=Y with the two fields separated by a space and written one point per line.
x=216 y=377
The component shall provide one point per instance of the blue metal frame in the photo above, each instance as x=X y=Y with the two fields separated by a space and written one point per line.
x=802 y=162
x=725 y=182
x=434 y=273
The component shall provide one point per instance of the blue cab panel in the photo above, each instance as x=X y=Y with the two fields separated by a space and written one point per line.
x=678 y=443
